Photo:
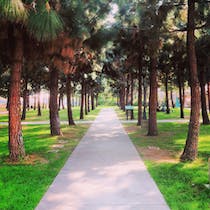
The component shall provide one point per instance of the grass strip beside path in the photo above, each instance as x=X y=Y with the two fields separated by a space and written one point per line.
x=31 y=115
x=182 y=184
x=23 y=185
x=174 y=114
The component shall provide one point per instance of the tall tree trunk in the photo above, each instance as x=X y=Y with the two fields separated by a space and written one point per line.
x=59 y=101
x=139 y=122
x=172 y=100
x=25 y=93
x=54 y=116
x=145 y=101
x=82 y=102
x=92 y=100
x=39 y=113
x=190 y=150
x=205 y=116
x=132 y=87
x=122 y=97
x=16 y=145
x=68 y=94
x=183 y=95
x=35 y=102
x=180 y=95
x=28 y=101
x=208 y=92
x=62 y=103
x=7 y=105
x=127 y=101
x=86 y=100
x=166 y=92
x=152 y=125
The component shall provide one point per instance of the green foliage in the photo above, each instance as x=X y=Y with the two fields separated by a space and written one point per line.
x=44 y=25
x=100 y=38
x=73 y=13
x=13 y=11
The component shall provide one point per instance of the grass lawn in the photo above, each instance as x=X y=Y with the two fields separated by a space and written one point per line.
x=23 y=185
x=174 y=114
x=31 y=115
x=182 y=184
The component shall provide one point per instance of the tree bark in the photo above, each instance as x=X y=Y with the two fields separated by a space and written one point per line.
x=132 y=87
x=127 y=101
x=92 y=100
x=122 y=98
x=53 y=104
x=172 y=100
x=208 y=95
x=139 y=122
x=68 y=94
x=16 y=144
x=180 y=95
x=183 y=95
x=34 y=102
x=166 y=92
x=86 y=100
x=152 y=125
x=39 y=113
x=205 y=116
x=25 y=92
x=59 y=101
x=145 y=101
x=7 y=105
x=82 y=102
x=190 y=150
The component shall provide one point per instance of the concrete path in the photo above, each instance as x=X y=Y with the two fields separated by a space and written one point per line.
x=104 y=172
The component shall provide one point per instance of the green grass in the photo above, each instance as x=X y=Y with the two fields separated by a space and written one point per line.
x=182 y=184
x=174 y=114
x=31 y=115
x=23 y=185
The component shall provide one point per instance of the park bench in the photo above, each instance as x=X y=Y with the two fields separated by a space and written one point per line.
x=128 y=111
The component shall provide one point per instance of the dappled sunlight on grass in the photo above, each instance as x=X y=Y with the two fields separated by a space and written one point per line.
x=31 y=115
x=22 y=185
x=182 y=184
x=174 y=114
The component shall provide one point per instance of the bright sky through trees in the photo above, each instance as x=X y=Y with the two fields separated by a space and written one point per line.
x=110 y=20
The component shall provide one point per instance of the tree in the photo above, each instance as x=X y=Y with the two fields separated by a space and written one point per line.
x=202 y=52
x=69 y=94
x=190 y=150
x=165 y=66
x=16 y=15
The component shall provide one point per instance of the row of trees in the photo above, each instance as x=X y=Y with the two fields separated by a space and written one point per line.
x=150 y=41
x=39 y=39
x=165 y=42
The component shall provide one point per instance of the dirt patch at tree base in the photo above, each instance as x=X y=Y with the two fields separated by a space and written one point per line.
x=157 y=155
x=29 y=160
x=132 y=129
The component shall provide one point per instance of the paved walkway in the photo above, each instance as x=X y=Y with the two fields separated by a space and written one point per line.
x=104 y=172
